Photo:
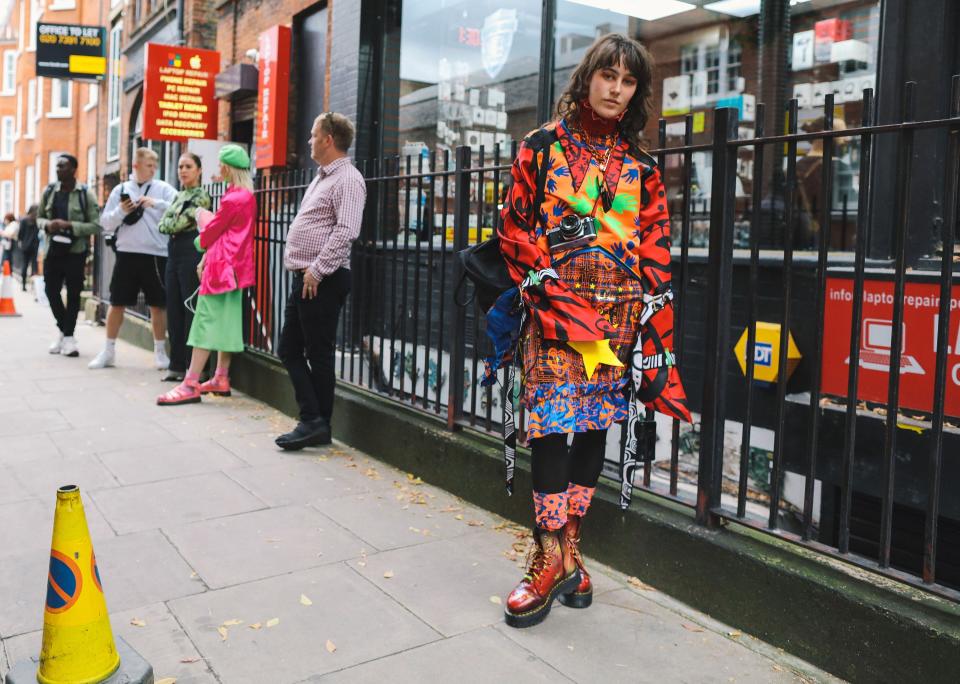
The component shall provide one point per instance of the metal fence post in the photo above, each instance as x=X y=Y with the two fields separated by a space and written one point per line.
x=458 y=322
x=716 y=342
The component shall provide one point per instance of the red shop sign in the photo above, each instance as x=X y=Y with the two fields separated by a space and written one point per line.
x=918 y=342
x=178 y=93
x=274 y=97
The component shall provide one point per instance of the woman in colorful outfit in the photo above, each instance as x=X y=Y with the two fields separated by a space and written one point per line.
x=583 y=304
x=226 y=269
x=181 y=281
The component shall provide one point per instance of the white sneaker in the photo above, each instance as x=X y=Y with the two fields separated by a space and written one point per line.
x=57 y=345
x=161 y=360
x=104 y=359
x=69 y=347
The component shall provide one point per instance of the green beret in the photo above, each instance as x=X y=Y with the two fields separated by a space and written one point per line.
x=235 y=156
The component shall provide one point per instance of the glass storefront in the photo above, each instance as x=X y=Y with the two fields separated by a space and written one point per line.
x=469 y=74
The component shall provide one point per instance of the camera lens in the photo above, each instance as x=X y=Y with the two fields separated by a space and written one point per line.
x=570 y=227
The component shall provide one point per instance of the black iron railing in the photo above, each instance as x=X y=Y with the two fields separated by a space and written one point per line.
x=822 y=458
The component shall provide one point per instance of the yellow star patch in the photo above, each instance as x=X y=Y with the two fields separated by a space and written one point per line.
x=595 y=352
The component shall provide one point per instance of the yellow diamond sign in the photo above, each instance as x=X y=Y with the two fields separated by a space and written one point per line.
x=766 y=357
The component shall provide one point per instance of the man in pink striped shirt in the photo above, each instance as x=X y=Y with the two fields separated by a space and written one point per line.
x=318 y=254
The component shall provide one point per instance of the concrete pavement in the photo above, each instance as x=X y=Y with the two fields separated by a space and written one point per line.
x=224 y=559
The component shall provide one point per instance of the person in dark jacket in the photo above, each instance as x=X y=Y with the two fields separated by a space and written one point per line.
x=68 y=215
x=29 y=243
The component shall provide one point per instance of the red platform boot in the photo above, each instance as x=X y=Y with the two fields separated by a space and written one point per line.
x=582 y=597
x=529 y=603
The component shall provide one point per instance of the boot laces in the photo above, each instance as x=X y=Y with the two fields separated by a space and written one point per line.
x=536 y=562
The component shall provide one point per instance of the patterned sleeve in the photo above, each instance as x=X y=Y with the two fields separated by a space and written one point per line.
x=559 y=312
x=661 y=388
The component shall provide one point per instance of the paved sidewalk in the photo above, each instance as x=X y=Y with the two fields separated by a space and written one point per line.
x=226 y=560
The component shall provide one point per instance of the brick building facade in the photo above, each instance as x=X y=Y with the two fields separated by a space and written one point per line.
x=50 y=116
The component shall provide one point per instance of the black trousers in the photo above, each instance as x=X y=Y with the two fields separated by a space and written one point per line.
x=29 y=261
x=181 y=282
x=554 y=465
x=308 y=342
x=57 y=271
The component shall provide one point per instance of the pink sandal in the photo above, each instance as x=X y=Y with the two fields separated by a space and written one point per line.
x=181 y=394
x=218 y=385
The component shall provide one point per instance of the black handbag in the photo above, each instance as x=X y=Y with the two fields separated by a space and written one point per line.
x=483 y=263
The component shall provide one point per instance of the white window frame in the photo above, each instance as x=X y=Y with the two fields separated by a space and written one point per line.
x=92 y=166
x=693 y=58
x=93 y=96
x=19 y=128
x=59 y=109
x=23 y=24
x=16 y=191
x=31 y=131
x=29 y=197
x=9 y=86
x=35 y=12
x=7 y=137
x=38 y=114
x=36 y=177
x=113 y=95
x=6 y=197
x=52 y=166
x=62 y=5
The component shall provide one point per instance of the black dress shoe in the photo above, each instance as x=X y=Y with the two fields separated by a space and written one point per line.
x=173 y=376
x=311 y=433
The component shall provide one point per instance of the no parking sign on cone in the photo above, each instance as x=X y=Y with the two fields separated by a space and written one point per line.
x=78 y=645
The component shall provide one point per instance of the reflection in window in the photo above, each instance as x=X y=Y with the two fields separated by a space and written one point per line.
x=468 y=75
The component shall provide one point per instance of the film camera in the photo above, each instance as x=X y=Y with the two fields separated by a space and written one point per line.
x=573 y=231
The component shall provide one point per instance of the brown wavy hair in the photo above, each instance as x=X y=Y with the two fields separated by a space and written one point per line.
x=610 y=50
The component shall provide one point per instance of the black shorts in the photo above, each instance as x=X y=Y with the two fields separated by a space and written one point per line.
x=134 y=273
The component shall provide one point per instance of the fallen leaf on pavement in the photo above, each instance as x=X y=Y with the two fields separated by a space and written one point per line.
x=331 y=647
x=635 y=582
x=414 y=480
x=232 y=623
x=691 y=628
x=415 y=529
x=255 y=625
x=777 y=668
x=735 y=633
x=496 y=599
x=187 y=661
x=305 y=601
x=166 y=680
x=137 y=622
x=475 y=523
x=273 y=622
x=388 y=574
x=459 y=516
x=222 y=631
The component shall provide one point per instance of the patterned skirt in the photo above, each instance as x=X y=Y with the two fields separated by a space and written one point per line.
x=558 y=395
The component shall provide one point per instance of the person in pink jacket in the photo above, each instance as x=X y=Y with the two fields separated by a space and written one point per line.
x=226 y=268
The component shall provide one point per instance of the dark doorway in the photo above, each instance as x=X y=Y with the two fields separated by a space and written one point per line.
x=311 y=73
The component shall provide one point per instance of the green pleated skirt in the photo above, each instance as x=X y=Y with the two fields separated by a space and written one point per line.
x=218 y=322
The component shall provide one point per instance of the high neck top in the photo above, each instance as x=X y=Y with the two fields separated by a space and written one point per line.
x=594 y=125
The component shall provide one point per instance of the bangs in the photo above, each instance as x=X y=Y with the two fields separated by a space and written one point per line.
x=611 y=53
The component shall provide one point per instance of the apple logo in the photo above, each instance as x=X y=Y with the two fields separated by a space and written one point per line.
x=195 y=62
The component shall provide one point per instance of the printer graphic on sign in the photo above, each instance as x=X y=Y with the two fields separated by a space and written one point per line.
x=875 y=346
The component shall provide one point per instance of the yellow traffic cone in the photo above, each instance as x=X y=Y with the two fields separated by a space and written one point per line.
x=78 y=646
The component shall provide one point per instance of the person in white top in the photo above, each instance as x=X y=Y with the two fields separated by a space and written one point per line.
x=131 y=217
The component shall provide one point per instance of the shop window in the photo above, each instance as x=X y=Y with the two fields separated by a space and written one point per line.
x=708 y=56
x=468 y=75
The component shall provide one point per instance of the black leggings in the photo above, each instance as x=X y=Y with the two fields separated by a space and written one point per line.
x=554 y=465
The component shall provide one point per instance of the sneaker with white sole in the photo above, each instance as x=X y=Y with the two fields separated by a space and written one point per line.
x=104 y=359
x=161 y=360
x=69 y=347
x=57 y=346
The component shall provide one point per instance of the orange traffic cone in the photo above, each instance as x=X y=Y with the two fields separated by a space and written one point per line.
x=7 y=307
